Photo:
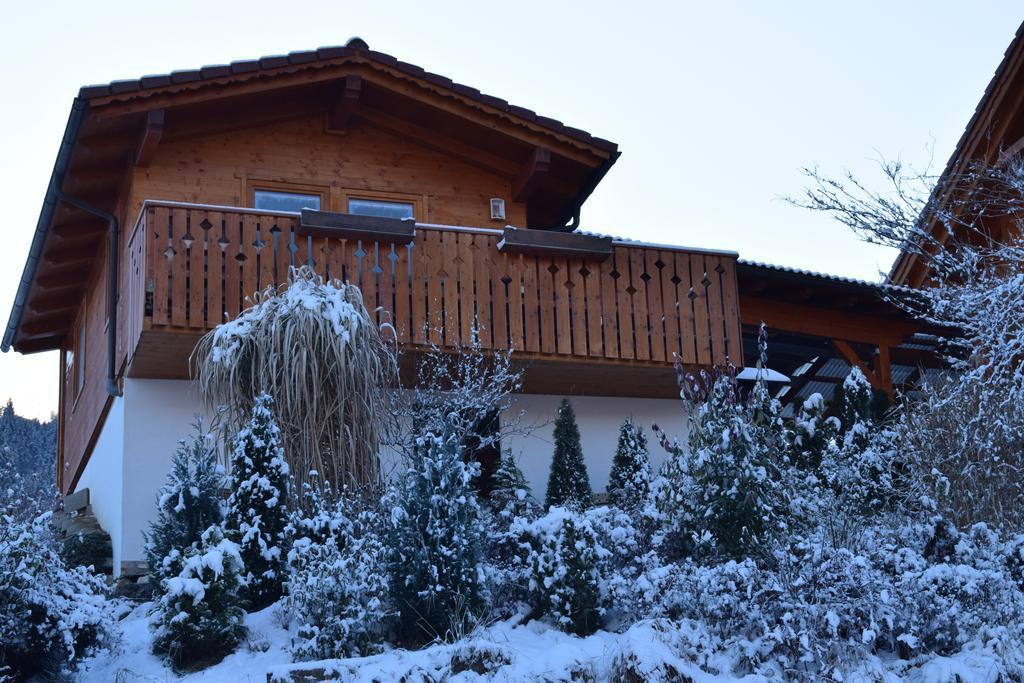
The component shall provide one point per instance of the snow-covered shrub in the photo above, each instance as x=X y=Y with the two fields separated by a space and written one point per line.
x=867 y=472
x=199 y=619
x=630 y=479
x=568 y=482
x=314 y=348
x=435 y=542
x=463 y=389
x=725 y=493
x=968 y=595
x=564 y=559
x=814 y=434
x=507 y=573
x=257 y=509
x=187 y=504
x=337 y=592
x=50 y=615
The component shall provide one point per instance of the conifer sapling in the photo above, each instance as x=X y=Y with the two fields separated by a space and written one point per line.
x=568 y=483
x=187 y=504
x=257 y=511
x=630 y=478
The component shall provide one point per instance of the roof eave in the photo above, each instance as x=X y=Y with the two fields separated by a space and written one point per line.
x=78 y=109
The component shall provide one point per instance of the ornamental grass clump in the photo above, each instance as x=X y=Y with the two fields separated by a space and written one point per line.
x=315 y=350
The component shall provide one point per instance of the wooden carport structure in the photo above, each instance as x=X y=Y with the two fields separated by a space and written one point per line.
x=822 y=325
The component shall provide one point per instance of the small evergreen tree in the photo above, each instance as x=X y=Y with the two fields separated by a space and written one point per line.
x=257 y=510
x=199 y=617
x=728 y=491
x=435 y=541
x=568 y=483
x=510 y=504
x=338 y=588
x=630 y=478
x=187 y=505
x=564 y=561
x=813 y=434
x=856 y=409
x=510 y=492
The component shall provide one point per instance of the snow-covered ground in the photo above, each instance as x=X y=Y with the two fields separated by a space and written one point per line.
x=504 y=651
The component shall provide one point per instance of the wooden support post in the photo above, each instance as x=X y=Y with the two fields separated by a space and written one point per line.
x=851 y=357
x=883 y=370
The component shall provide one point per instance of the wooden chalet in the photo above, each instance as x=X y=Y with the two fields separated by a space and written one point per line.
x=174 y=197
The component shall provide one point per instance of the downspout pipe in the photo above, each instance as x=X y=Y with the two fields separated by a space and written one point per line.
x=113 y=258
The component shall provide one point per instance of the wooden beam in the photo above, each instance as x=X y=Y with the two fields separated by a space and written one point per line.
x=40 y=344
x=53 y=303
x=152 y=131
x=343 y=108
x=883 y=370
x=531 y=176
x=72 y=278
x=68 y=255
x=853 y=358
x=46 y=326
x=784 y=316
x=439 y=142
x=78 y=230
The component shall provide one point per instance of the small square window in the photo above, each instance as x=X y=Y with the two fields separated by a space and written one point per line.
x=79 y=358
x=294 y=202
x=381 y=208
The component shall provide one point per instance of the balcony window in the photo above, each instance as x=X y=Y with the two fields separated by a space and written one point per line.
x=381 y=208
x=278 y=200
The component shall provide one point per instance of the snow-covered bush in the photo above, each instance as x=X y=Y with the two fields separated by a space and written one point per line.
x=314 y=348
x=966 y=594
x=568 y=482
x=814 y=434
x=337 y=592
x=50 y=615
x=435 y=542
x=564 y=558
x=509 y=503
x=199 y=619
x=462 y=389
x=726 y=492
x=630 y=479
x=187 y=504
x=257 y=509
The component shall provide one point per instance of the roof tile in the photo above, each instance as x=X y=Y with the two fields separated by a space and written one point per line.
x=302 y=56
x=186 y=76
x=273 y=61
x=215 y=71
x=94 y=90
x=245 y=66
x=332 y=52
x=118 y=87
x=155 y=81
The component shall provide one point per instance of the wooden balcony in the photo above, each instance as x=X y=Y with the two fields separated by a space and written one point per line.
x=621 y=319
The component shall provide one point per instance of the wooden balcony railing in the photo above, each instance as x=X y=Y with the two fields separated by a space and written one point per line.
x=190 y=267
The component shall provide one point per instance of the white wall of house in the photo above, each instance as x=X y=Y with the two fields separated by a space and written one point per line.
x=104 y=477
x=599 y=419
x=158 y=414
x=133 y=453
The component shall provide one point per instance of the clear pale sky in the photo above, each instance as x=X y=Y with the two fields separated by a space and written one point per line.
x=715 y=106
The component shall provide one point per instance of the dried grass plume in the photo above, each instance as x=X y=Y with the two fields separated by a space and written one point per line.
x=313 y=347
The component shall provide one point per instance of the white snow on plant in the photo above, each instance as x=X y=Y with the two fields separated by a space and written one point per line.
x=326 y=300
